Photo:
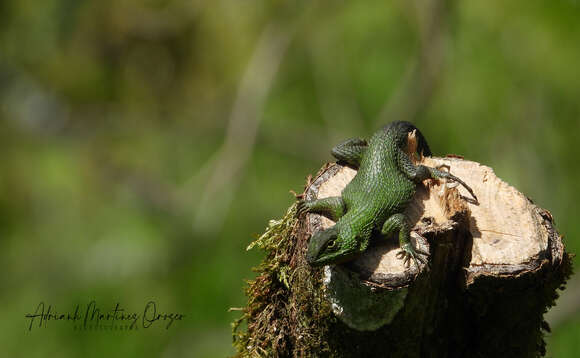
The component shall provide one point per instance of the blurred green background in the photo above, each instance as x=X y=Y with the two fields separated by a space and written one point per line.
x=146 y=143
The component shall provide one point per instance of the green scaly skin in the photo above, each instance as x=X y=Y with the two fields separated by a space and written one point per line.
x=375 y=199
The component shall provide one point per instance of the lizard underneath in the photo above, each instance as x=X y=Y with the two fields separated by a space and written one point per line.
x=376 y=198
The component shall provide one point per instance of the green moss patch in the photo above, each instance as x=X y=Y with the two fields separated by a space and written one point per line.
x=286 y=314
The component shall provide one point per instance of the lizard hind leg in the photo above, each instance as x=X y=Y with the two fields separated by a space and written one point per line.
x=350 y=151
x=437 y=173
x=332 y=207
x=398 y=222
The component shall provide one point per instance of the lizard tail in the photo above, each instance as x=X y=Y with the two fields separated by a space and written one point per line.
x=422 y=146
x=402 y=128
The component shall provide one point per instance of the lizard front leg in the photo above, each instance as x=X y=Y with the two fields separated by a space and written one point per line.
x=332 y=207
x=398 y=222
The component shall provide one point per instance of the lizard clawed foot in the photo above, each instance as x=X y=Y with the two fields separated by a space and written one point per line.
x=302 y=207
x=453 y=178
x=408 y=252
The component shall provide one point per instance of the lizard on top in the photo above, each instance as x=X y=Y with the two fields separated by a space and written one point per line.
x=376 y=198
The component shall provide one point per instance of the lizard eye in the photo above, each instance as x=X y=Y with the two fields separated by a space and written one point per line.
x=331 y=244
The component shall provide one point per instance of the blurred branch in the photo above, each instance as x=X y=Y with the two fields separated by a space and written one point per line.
x=242 y=128
x=423 y=75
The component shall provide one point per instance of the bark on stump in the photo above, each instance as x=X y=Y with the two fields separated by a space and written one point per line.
x=494 y=269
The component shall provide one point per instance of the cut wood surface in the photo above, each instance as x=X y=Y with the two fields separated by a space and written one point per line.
x=509 y=233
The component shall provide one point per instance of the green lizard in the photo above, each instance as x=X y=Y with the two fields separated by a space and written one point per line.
x=375 y=199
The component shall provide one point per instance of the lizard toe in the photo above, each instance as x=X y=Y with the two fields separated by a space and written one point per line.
x=302 y=207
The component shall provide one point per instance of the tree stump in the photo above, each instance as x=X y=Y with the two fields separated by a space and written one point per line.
x=493 y=271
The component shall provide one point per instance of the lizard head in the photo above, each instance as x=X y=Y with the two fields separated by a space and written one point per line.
x=333 y=246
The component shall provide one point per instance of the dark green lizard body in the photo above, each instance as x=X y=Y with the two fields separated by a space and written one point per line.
x=375 y=199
